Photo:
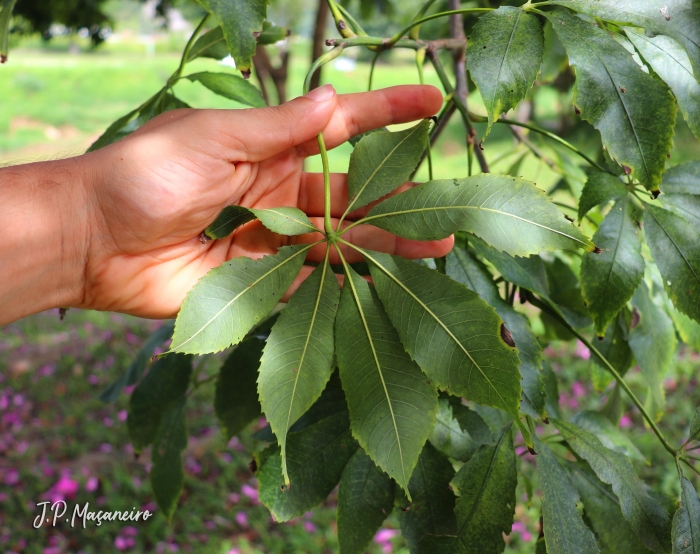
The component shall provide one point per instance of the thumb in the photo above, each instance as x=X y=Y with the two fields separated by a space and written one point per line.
x=260 y=133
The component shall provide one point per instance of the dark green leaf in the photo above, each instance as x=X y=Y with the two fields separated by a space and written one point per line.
x=675 y=245
x=565 y=292
x=551 y=390
x=211 y=44
x=504 y=56
x=225 y=304
x=272 y=33
x=694 y=432
x=316 y=458
x=609 y=435
x=615 y=348
x=599 y=188
x=230 y=218
x=365 y=499
x=235 y=399
x=509 y=213
x=357 y=138
x=164 y=384
x=448 y=435
x=564 y=530
x=382 y=161
x=647 y=518
x=230 y=86
x=298 y=358
x=686 y=521
x=5 y=17
x=392 y=404
x=685 y=205
x=614 y=95
x=609 y=279
x=240 y=20
x=682 y=179
x=112 y=133
x=554 y=58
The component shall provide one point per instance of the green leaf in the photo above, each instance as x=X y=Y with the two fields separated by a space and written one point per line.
x=316 y=458
x=448 y=435
x=6 y=8
x=599 y=188
x=647 y=518
x=551 y=390
x=686 y=521
x=653 y=342
x=509 y=213
x=609 y=435
x=504 y=56
x=564 y=530
x=382 y=161
x=225 y=304
x=565 y=292
x=235 y=398
x=211 y=44
x=241 y=21
x=679 y=19
x=615 y=348
x=682 y=179
x=365 y=499
x=165 y=384
x=688 y=329
x=285 y=220
x=694 y=432
x=675 y=245
x=298 y=358
x=392 y=405
x=272 y=33
x=431 y=512
x=112 y=133
x=463 y=268
x=685 y=205
x=167 y=474
x=554 y=56
x=609 y=279
x=230 y=218
x=230 y=86
x=614 y=95
x=465 y=352
x=139 y=363
x=602 y=510
x=670 y=62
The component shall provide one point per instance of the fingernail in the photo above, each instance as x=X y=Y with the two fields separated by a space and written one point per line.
x=321 y=94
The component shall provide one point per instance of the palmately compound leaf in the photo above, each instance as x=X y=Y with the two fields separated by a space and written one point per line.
x=285 y=221
x=316 y=458
x=609 y=435
x=509 y=213
x=298 y=358
x=686 y=521
x=392 y=404
x=647 y=518
x=225 y=304
x=609 y=279
x=602 y=510
x=230 y=86
x=241 y=22
x=564 y=529
x=465 y=269
x=365 y=499
x=614 y=94
x=382 y=161
x=504 y=57
x=599 y=188
x=675 y=245
x=679 y=19
x=211 y=44
x=466 y=353
x=671 y=63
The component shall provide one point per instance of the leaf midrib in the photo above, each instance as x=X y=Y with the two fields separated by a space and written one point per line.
x=510 y=41
x=676 y=246
x=287 y=216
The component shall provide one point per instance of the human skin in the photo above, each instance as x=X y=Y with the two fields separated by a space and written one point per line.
x=118 y=229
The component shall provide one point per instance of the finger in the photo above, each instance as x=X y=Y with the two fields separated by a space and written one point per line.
x=361 y=112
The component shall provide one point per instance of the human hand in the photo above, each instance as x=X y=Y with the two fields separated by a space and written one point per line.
x=151 y=194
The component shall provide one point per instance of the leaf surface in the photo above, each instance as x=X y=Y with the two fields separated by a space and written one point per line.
x=230 y=86
x=686 y=521
x=615 y=348
x=230 y=218
x=449 y=436
x=599 y=188
x=285 y=220
x=682 y=179
x=608 y=434
x=211 y=44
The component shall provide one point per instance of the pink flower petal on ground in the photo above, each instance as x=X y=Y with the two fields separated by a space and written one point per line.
x=385 y=535
x=234 y=498
x=582 y=351
x=122 y=415
x=309 y=527
x=625 y=422
x=578 y=389
x=120 y=543
x=66 y=486
x=234 y=551
x=387 y=548
x=242 y=519
x=250 y=492
x=92 y=484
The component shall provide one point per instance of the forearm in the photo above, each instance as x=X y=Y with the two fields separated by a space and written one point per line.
x=43 y=225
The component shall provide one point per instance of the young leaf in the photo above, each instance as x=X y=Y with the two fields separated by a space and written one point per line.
x=564 y=530
x=230 y=218
x=647 y=518
x=382 y=161
x=431 y=512
x=463 y=268
x=392 y=405
x=599 y=188
x=240 y=20
x=608 y=279
x=465 y=353
x=211 y=44
x=509 y=213
x=614 y=94
x=682 y=179
x=316 y=458
x=225 y=304
x=298 y=358
x=686 y=521
x=675 y=245
x=167 y=474
x=165 y=384
x=653 y=342
x=504 y=56
x=609 y=435
x=235 y=398
x=230 y=86
x=365 y=499
x=670 y=62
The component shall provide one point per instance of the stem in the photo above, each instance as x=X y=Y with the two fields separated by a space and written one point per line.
x=393 y=40
x=696 y=458
x=328 y=226
x=420 y=60
x=343 y=28
x=356 y=26
x=321 y=60
x=691 y=466
x=416 y=30
x=371 y=69
x=186 y=54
